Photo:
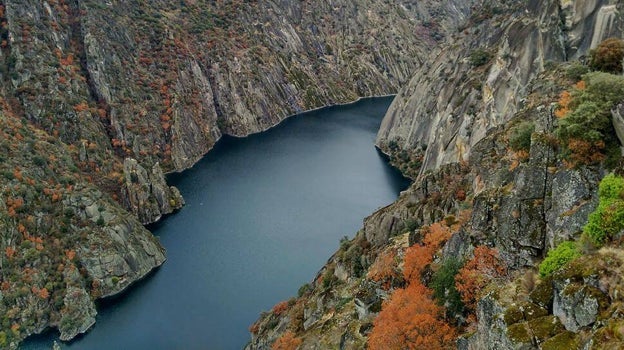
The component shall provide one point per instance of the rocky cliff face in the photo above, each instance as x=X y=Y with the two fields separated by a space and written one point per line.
x=169 y=79
x=480 y=79
x=64 y=242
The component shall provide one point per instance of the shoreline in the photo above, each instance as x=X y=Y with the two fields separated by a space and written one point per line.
x=179 y=171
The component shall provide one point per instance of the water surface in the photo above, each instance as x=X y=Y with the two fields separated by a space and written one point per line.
x=263 y=214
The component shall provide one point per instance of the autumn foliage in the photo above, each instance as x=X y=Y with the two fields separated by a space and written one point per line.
x=419 y=256
x=411 y=319
x=288 y=341
x=608 y=56
x=383 y=269
x=485 y=266
x=280 y=307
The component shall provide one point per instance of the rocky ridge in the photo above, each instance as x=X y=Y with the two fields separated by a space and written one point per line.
x=472 y=95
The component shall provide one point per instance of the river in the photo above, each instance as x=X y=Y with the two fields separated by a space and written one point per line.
x=263 y=214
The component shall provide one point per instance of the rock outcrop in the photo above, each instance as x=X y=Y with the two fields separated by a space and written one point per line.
x=64 y=242
x=618 y=123
x=550 y=314
x=479 y=80
x=147 y=195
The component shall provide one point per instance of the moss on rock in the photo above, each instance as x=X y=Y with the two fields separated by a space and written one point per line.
x=519 y=333
x=513 y=315
x=563 y=341
x=542 y=294
x=545 y=327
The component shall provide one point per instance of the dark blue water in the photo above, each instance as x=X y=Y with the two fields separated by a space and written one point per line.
x=263 y=214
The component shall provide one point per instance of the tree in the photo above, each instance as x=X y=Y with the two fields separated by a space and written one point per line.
x=444 y=290
x=384 y=269
x=585 y=129
x=608 y=56
x=410 y=319
x=479 y=271
x=418 y=256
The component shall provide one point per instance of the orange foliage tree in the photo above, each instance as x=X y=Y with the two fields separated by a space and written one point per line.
x=418 y=256
x=280 y=307
x=288 y=341
x=384 y=269
x=485 y=266
x=608 y=56
x=410 y=319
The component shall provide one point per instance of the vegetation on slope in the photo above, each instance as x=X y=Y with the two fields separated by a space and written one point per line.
x=561 y=142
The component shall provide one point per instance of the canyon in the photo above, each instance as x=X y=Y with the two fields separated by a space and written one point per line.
x=100 y=99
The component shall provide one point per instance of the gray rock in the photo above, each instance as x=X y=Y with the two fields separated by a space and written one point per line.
x=147 y=195
x=450 y=106
x=577 y=305
x=618 y=123
x=574 y=194
x=79 y=315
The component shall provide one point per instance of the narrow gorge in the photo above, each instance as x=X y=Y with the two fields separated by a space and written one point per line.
x=100 y=99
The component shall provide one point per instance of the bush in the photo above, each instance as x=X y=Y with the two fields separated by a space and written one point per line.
x=608 y=56
x=304 y=289
x=520 y=137
x=558 y=257
x=608 y=219
x=485 y=266
x=410 y=320
x=443 y=285
x=576 y=71
x=587 y=117
x=479 y=57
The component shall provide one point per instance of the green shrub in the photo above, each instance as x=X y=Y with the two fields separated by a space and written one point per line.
x=520 y=137
x=39 y=161
x=608 y=219
x=443 y=285
x=587 y=130
x=304 y=289
x=479 y=57
x=576 y=71
x=558 y=257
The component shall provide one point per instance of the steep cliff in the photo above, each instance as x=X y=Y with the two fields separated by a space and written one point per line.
x=479 y=79
x=64 y=242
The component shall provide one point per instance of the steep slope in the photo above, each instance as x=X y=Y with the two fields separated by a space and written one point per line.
x=64 y=242
x=480 y=79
